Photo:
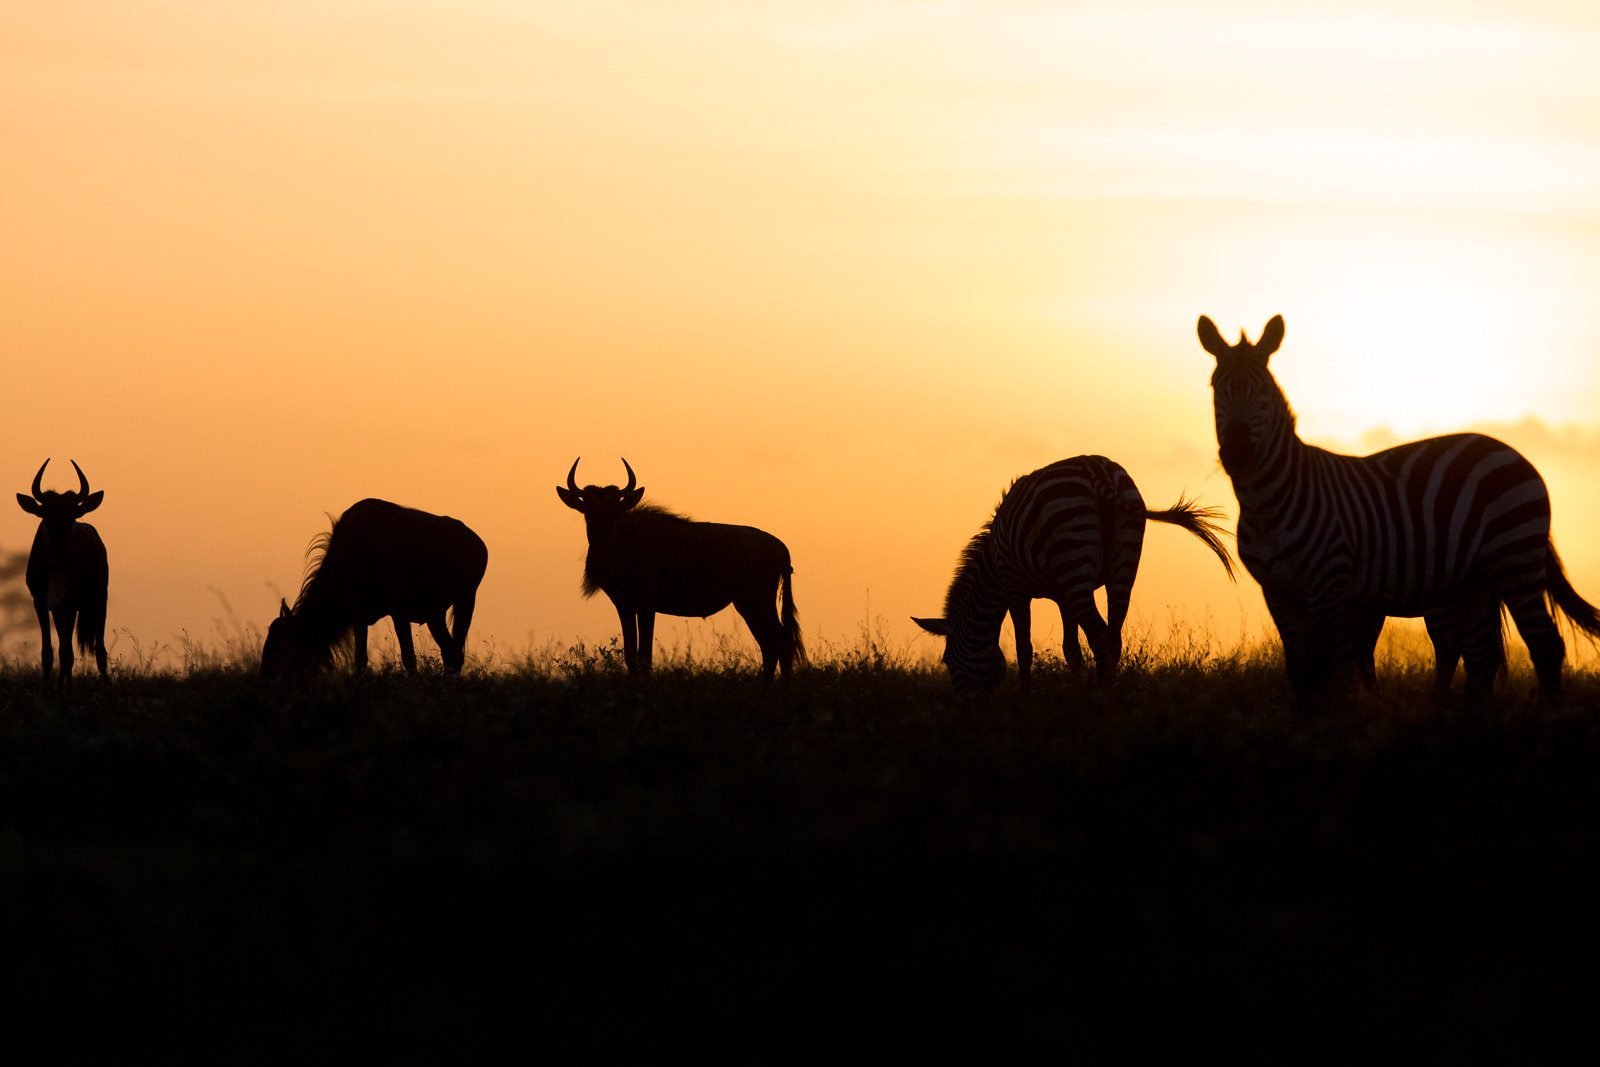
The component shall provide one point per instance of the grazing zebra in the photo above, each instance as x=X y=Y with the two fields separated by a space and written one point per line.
x=1059 y=534
x=1448 y=528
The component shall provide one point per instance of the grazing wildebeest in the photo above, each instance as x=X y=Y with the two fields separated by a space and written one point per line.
x=67 y=571
x=379 y=559
x=649 y=561
x=1454 y=529
x=1059 y=533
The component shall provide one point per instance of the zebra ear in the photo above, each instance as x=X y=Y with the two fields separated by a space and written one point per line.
x=1210 y=339
x=941 y=627
x=1271 y=338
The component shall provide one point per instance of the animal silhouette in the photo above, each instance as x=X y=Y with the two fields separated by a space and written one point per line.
x=379 y=559
x=1058 y=533
x=650 y=561
x=1449 y=528
x=67 y=572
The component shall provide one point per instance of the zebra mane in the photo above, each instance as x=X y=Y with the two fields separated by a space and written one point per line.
x=966 y=576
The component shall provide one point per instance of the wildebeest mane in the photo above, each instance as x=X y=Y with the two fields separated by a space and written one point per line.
x=646 y=513
x=310 y=605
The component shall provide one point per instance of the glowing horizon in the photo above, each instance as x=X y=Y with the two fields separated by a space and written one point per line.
x=839 y=271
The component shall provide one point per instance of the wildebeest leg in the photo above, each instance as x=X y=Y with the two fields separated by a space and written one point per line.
x=460 y=623
x=1022 y=630
x=358 y=647
x=408 y=650
x=630 y=638
x=762 y=618
x=1071 y=651
x=449 y=648
x=46 y=653
x=64 y=622
x=647 y=639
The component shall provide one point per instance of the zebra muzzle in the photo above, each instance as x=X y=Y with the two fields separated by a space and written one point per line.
x=1234 y=447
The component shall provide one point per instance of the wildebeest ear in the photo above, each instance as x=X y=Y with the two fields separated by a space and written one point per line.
x=283 y=610
x=569 y=498
x=92 y=502
x=1271 y=338
x=632 y=499
x=933 y=626
x=1210 y=339
x=30 y=505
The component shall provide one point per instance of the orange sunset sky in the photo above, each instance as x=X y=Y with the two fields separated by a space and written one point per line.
x=838 y=270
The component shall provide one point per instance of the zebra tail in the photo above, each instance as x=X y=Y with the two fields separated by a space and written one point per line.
x=1204 y=523
x=1562 y=597
x=791 y=618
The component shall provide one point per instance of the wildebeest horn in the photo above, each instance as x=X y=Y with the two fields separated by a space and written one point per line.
x=38 y=490
x=83 y=482
x=632 y=481
x=572 y=479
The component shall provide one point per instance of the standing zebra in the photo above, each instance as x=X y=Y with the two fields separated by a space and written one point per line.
x=1449 y=528
x=1059 y=533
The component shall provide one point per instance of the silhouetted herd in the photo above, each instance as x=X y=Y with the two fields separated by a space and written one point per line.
x=1454 y=529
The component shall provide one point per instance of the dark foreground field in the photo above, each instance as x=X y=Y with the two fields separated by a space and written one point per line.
x=560 y=859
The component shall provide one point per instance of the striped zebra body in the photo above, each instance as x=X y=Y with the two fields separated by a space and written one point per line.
x=1449 y=528
x=1058 y=534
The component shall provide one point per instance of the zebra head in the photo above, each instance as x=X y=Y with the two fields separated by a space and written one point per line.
x=1250 y=409
x=973 y=658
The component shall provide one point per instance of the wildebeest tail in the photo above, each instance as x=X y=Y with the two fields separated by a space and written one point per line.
x=92 y=628
x=1564 y=599
x=1202 y=522
x=791 y=618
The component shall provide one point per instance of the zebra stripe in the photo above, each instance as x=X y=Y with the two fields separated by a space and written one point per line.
x=1058 y=533
x=1449 y=528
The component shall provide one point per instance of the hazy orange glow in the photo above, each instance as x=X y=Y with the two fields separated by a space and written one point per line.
x=837 y=270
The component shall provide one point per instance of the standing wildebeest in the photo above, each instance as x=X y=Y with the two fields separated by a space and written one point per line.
x=67 y=571
x=379 y=559
x=649 y=560
x=1059 y=533
x=1450 y=528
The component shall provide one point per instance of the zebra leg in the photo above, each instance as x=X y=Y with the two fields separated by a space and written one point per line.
x=1117 y=594
x=1071 y=650
x=1367 y=665
x=1545 y=645
x=1106 y=647
x=1446 y=653
x=1022 y=629
x=408 y=650
x=1480 y=642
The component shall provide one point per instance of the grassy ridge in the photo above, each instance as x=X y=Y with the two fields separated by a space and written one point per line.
x=556 y=850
